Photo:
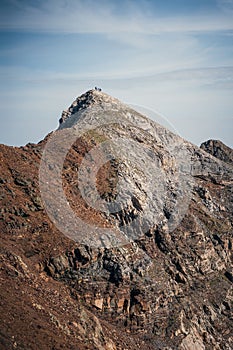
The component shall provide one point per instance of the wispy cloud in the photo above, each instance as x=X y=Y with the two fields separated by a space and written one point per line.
x=103 y=17
x=194 y=77
x=158 y=56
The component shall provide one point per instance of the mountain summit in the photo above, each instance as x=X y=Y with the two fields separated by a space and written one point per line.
x=115 y=234
x=88 y=99
x=218 y=150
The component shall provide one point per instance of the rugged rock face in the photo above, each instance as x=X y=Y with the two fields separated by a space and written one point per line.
x=162 y=283
x=217 y=149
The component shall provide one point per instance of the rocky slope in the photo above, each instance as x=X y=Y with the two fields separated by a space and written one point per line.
x=125 y=245
x=218 y=150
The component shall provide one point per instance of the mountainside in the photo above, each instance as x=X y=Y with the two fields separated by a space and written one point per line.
x=115 y=234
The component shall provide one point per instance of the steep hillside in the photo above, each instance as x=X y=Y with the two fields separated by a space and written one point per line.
x=115 y=234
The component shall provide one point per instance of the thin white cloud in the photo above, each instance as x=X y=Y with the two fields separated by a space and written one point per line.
x=202 y=76
x=94 y=17
x=160 y=54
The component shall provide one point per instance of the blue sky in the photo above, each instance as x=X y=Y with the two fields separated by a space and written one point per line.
x=172 y=57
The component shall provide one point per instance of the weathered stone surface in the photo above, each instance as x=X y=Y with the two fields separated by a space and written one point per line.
x=192 y=342
x=217 y=149
x=162 y=289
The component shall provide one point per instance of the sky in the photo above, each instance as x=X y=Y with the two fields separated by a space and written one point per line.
x=171 y=57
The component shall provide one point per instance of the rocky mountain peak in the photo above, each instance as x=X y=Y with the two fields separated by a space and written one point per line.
x=89 y=98
x=219 y=150
x=133 y=249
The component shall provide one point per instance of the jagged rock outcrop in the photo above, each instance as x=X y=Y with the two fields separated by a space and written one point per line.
x=152 y=272
x=89 y=99
x=217 y=149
